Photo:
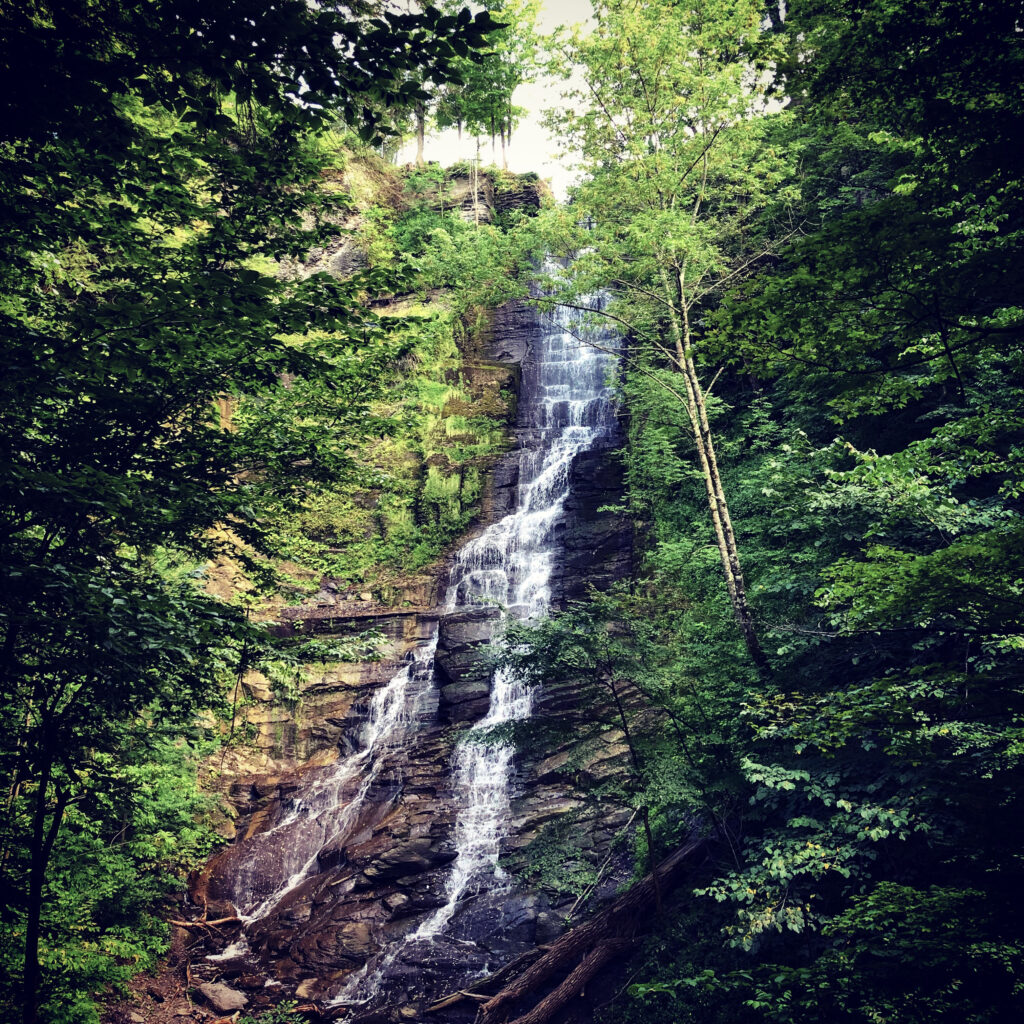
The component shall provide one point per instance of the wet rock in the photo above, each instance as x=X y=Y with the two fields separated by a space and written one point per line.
x=222 y=998
x=462 y=662
x=472 y=197
x=554 y=767
x=598 y=545
x=461 y=636
x=500 y=495
x=233 y=968
x=547 y=927
x=396 y=902
x=409 y=858
x=257 y=686
x=466 y=630
x=514 y=327
x=355 y=937
x=466 y=701
x=307 y=988
x=372 y=885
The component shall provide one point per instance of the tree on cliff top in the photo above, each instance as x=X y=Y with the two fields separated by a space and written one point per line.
x=482 y=103
x=133 y=202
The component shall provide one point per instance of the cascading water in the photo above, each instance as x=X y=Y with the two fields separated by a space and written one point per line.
x=483 y=771
x=327 y=880
x=281 y=858
x=565 y=408
x=569 y=407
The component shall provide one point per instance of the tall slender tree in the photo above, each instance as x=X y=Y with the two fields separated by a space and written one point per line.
x=672 y=125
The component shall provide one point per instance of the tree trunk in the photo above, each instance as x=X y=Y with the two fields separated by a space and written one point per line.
x=702 y=455
x=634 y=757
x=43 y=838
x=421 y=131
x=741 y=609
x=587 y=969
x=476 y=185
x=721 y=520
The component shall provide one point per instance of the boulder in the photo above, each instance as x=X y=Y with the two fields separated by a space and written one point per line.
x=407 y=859
x=223 y=999
x=462 y=639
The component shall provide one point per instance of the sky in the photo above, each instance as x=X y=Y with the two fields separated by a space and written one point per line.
x=532 y=147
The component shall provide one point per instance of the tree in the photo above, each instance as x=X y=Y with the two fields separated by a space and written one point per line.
x=624 y=655
x=161 y=155
x=482 y=102
x=681 y=169
x=885 y=769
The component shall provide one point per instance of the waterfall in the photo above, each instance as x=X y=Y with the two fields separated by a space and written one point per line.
x=281 y=858
x=566 y=408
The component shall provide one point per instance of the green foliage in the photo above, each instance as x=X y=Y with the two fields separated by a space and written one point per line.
x=483 y=265
x=678 y=986
x=903 y=953
x=557 y=863
x=482 y=103
x=417 y=478
x=283 y=1013
x=670 y=708
x=867 y=790
x=847 y=265
x=341 y=58
x=165 y=402
x=136 y=824
x=429 y=432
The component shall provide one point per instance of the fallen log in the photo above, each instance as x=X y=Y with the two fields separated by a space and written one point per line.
x=576 y=982
x=232 y=919
x=473 y=991
x=594 y=942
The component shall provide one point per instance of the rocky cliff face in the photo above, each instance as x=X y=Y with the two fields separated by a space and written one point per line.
x=378 y=871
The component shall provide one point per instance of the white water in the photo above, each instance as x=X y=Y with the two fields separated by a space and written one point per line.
x=568 y=409
x=483 y=773
x=284 y=856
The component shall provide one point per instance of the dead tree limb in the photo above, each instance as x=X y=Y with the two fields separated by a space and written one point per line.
x=456 y=997
x=232 y=919
x=474 y=991
x=572 y=951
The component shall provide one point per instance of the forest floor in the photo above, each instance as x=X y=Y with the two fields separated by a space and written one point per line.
x=160 y=998
x=163 y=996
